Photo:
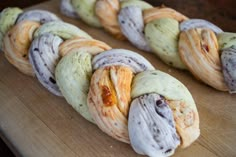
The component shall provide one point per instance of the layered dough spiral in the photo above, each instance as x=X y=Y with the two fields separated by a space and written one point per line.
x=168 y=34
x=116 y=89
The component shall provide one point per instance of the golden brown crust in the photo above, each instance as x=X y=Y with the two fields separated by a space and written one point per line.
x=186 y=121
x=91 y=46
x=16 y=45
x=162 y=12
x=107 y=11
x=198 y=49
x=109 y=99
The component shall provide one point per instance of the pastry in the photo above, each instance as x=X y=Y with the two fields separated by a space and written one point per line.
x=116 y=89
x=16 y=45
x=162 y=36
x=39 y=33
x=136 y=3
x=109 y=98
x=157 y=30
x=176 y=96
x=132 y=26
x=73 y=74
x=109 y=93
x=228 y=59
x=136 y=62
x=62 y=29
x=41 y=16
x=162 y=12
x=83 y=44
x=74 y=71
x=152 y=127
x=199 y=23
x=85 y=10
x=176 y=119
x=44 y=56
x=8 y=18
x=106 y=11
x=198 y=49
x=67 y=9
x=226 y=40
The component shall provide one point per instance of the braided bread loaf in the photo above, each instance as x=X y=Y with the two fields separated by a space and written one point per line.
x=193 y=44
x=116 y=89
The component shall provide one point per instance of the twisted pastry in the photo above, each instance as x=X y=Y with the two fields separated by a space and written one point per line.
x=7 y=19
x=118 y=90
x=196 y=45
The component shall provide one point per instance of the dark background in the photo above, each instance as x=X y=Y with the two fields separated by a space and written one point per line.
x=4 y=150
x=18 y=3
x=220 y=12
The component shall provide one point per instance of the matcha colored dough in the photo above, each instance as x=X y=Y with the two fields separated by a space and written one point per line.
x=162 y=36
x=73 y=74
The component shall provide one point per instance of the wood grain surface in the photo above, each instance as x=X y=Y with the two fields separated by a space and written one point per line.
x=39 y=124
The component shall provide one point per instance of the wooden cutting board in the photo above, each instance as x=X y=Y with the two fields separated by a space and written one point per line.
x=36 y=123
